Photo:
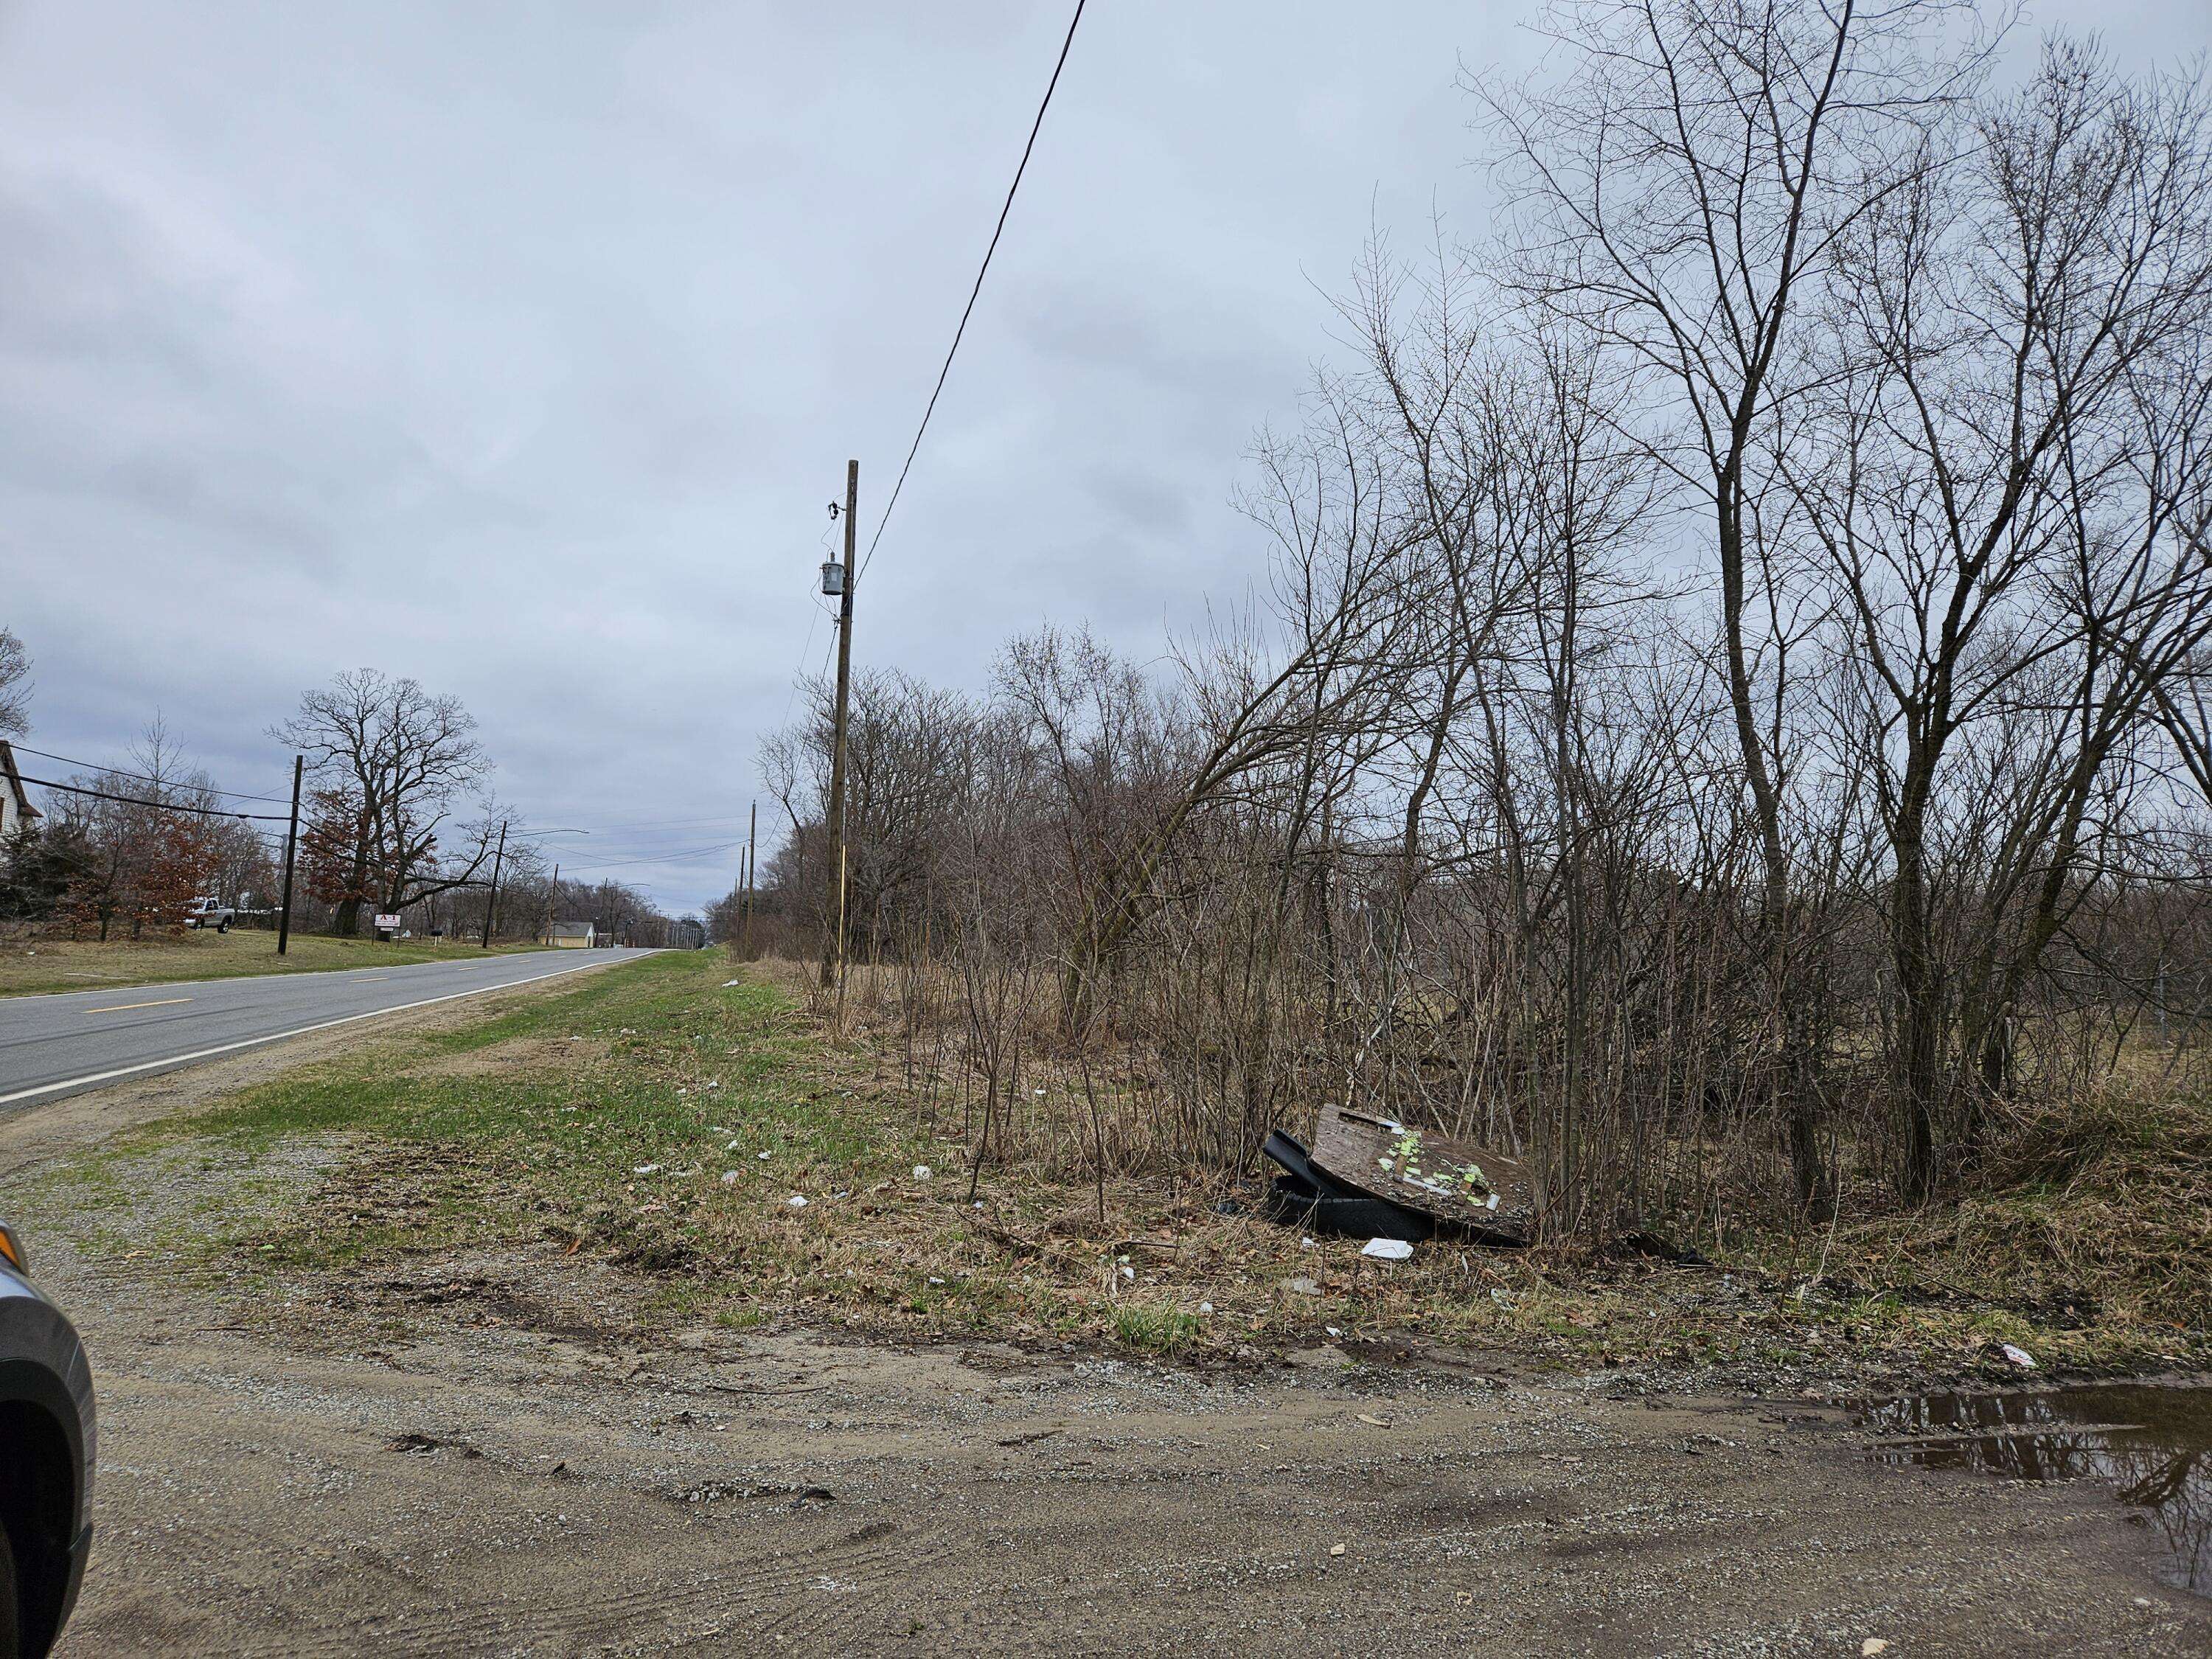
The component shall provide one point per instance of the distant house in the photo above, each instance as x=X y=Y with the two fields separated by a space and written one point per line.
x=16 y=808
x=573 y=936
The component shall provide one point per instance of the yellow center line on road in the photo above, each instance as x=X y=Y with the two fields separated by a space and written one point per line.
x=122 y=1007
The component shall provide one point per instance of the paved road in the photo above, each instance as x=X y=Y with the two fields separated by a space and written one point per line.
x=52 y=1046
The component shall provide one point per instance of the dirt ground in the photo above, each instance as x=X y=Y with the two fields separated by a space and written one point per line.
x=489 y=1453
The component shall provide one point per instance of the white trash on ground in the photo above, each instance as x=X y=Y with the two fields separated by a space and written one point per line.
x=1388 y=1250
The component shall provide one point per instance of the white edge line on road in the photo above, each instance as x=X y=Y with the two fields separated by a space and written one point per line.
x=278 y=1036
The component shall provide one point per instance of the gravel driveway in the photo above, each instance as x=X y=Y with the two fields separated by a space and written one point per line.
x=486 y=1454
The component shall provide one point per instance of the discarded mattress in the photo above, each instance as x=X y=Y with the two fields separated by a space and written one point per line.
x=1305 y=1196
x=1364 y=1168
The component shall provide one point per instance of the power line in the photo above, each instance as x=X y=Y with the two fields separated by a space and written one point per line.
x=669 y=824
x=676 y=857
x=141 y=777
x=1034 y=127
x=165 y=805
x=805 y=650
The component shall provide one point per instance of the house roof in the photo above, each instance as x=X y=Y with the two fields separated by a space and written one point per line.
x=15 y=781
x=572 y=930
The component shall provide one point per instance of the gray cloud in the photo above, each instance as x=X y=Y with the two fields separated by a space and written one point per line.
x=519 y=348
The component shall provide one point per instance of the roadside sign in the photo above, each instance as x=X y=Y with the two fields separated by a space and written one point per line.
x=388 y=922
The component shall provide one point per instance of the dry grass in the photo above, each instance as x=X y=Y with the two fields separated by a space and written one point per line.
x=2103 y=1205
x=654 y=1116
x=2091 y=1241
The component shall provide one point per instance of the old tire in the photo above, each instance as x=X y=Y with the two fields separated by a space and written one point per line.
x=11 y=1613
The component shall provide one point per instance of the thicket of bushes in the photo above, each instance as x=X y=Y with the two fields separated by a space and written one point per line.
x=1728 y=721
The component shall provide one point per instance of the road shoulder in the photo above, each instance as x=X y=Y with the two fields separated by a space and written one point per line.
x=398 y=1356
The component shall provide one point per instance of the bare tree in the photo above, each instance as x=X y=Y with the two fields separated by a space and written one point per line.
x=14 y=686
x=2008 y=449
x=1684 y=188
x=144 y=837
x=400 y=761
x=1757 y=880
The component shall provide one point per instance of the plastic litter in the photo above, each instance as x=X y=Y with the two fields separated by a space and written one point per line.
x=2019 y=1357
x=796 y=1202
x=1388 y=1250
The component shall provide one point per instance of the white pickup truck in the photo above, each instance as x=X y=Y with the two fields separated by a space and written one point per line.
x=210 y=913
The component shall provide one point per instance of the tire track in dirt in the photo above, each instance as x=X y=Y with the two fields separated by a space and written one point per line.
x=814 y=1594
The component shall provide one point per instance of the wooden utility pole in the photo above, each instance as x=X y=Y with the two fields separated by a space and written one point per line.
x=552 y=904
x=291 y=848
x=491 y=899
x=746 y=902
x=833 y=908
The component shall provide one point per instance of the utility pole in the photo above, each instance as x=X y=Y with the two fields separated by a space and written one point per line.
x=491 y=899
x=833 y=910
x=745 y=904
x=744 y=885
x=552 y=904
x=291 y=847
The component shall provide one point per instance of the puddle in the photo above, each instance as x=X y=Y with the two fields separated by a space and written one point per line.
x=2153 y=1444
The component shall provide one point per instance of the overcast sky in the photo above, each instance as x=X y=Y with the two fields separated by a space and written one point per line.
x=519 y=348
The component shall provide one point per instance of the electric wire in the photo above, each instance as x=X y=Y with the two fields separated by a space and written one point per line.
x=670 y=824
x=1008 y=207
x=164 y=805
x=805 y=650
x=676 y=856
x=141 y=777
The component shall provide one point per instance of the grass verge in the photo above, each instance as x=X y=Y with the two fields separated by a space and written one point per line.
x=36 y=967
x=705 y=1134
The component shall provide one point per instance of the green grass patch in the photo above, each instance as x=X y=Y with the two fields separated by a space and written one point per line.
x=1155 y=1329
x=654 y=1116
